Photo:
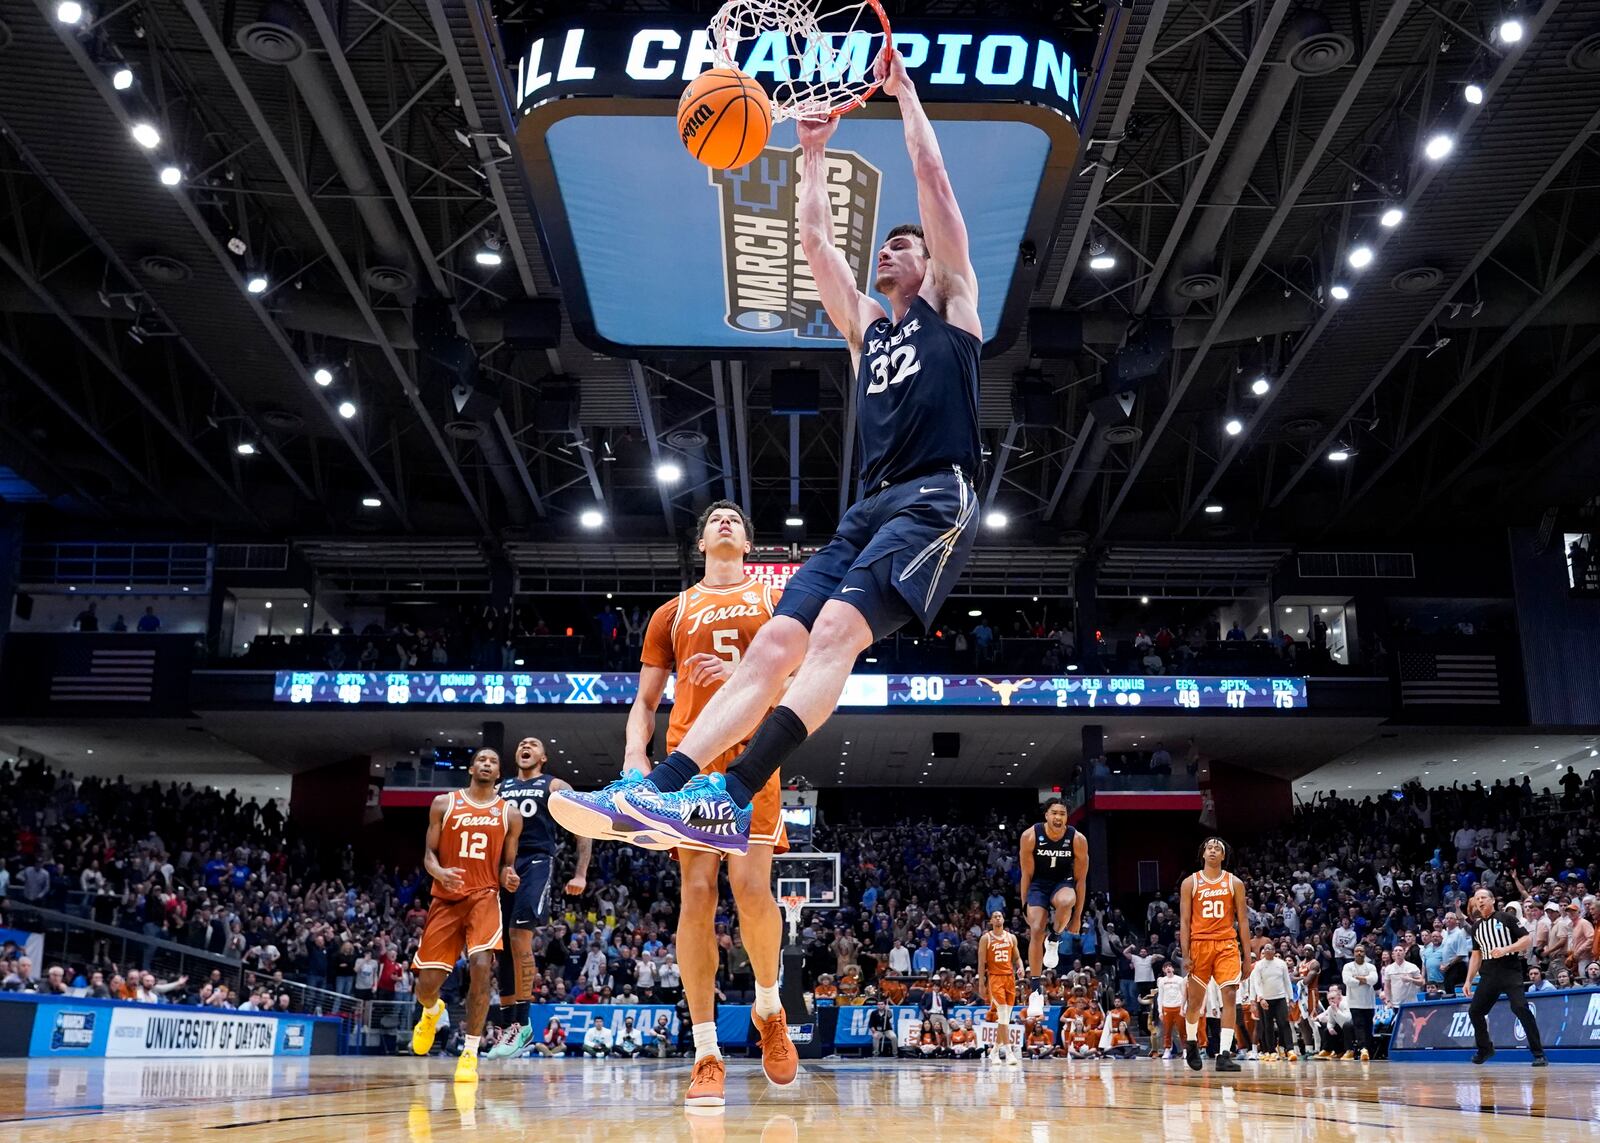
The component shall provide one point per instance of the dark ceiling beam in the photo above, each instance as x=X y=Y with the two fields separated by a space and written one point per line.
x=98 y=241
x=719 y=394
x=1505 y=424
x=286 y=168
x=202 y=228
x=647 y=419
x=741 y=431
x=98 y=351
x=1462 y=280
x=1393 y=21
x=15 y=360
x=1438 y=405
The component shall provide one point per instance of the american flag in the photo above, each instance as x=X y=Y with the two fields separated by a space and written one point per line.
x=103 y=674
x=1431 y=679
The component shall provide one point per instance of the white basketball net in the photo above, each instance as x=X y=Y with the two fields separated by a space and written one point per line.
x=822 y=56
x=791 y=909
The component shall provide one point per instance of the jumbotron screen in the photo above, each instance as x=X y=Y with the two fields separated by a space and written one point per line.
x=616 y=688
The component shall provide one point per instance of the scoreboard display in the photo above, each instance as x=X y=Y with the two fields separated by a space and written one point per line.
x=617 y=688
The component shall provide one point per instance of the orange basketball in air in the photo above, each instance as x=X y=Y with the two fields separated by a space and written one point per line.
x=724 y=118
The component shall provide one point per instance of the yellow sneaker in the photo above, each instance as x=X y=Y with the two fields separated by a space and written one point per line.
x=417 y=1125
x=1293 y=1057
x=1366 y=1057
x=1348 y=1056
x=423 y=1031
x=467 y=1069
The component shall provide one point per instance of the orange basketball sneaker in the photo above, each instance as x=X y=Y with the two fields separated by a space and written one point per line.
x=778 y=1057
x=706 y=1085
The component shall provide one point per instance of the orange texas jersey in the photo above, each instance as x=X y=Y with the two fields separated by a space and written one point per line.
x=1211 y=912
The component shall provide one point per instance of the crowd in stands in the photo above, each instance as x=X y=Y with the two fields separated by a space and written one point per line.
x=1388 y=877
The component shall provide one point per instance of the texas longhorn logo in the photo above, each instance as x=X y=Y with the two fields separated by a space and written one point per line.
x=1005 y=688
x=770 y=287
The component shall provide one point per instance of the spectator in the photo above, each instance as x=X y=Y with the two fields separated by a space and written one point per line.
x=596 y=1040
x=554 y=1040
x=1455 y=945
x=149 y=621
x=629 y=1042
x=1402 y=980
x=1537 y=982
x=1333 y=1026
x=880 y=1026
x=88 y=619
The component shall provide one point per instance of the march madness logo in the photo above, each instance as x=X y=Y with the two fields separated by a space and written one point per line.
x=73 y=1030
x=769 y=286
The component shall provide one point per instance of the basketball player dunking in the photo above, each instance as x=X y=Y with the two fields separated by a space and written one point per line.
x=1055 y=871
x=701 y=635
x=472 y=841
x=897 y=552
x=528 y=793
x=1214 y=925
x=998 y=963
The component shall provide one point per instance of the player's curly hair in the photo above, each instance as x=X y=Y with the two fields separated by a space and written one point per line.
x=749 y=524
x=1227 y=850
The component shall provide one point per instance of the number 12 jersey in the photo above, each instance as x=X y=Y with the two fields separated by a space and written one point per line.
x=471 y=837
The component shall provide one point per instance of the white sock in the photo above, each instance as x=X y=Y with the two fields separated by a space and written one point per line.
x=469 y=1045
x=705 y=1040
x=1191 y=1029
x=1002 y=1034
x=767 y=1002
x=1226 y=1043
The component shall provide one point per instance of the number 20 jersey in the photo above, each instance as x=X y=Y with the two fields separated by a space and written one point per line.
x=719 y=621
x=917 y=397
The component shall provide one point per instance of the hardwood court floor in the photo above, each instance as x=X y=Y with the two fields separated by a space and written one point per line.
x=335 y=1100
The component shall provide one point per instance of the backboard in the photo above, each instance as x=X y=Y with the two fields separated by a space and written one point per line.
x=814 y=876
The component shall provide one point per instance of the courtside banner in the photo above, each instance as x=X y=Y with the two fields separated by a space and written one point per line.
x=853 y=1032
x=120 y=1029
x=1566 y=1020
x=576 y=1018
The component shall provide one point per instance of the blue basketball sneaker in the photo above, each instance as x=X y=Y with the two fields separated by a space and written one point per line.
x=701 y=814
x=596 y=814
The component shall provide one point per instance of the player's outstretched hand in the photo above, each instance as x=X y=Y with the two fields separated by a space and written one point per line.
x=706 y=668
x=889 y=69
x=815 y=133
x=509 y=880
x=576 y=886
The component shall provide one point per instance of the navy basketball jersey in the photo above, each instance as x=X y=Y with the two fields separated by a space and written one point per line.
x=529 y=797
x=916 y=398
x=1052 y=860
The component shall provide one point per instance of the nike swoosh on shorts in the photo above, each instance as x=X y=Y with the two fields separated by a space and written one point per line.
x=848 y=590
x=922 y=489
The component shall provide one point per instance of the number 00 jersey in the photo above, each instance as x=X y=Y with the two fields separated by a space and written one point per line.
x=471 y=838
x=1211 y=912
x=719 y=621
x=529 y=797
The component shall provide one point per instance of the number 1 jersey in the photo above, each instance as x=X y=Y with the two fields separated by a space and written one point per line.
x=718 y=621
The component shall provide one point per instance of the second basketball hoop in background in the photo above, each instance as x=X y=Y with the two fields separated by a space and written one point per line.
x=724 y=118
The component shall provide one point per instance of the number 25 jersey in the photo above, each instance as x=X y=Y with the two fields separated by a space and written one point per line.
x=718 y=621
x=471 y=837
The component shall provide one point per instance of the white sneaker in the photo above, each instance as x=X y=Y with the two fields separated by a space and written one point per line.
x=1052 y=950
x=1036 y=1004
x=1013 y=1060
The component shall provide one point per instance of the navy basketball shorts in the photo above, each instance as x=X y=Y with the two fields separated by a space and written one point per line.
x=530 y=904
x=896 y=556
x=1043 y=894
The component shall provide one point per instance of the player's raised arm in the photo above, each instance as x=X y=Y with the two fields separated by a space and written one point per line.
x=447 y=876
x=944 y=231
x=848 y=308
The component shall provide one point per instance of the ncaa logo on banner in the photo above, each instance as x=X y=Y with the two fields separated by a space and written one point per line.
x=72 y=1030
x=769 y=286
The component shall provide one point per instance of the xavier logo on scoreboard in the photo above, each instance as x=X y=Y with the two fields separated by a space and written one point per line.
x=769 y=286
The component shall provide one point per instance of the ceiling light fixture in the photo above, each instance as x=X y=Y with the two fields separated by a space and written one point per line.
x=669 y=473
x=1439 y=146
x=1473 y=93
x=69 y=12
x=371 y=502
x=171 y=176
x=256 y=284
x=1260 y=386
x=996 y=520
x=591 y=518
x=1510 y=30
x=1103 y=262
x=1145 y=599
x=245 y=448
x=1340 y=292
x=1360 y=258
x=146 y=135
x=122 y=78
x=794 y=521
x=323 y=376
x=1233 y=426
x=347 y=409
x=1213 y=509
x=1339 y=455
x=1391 y=218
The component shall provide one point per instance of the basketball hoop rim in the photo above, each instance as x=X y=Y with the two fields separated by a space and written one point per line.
x=855 y=100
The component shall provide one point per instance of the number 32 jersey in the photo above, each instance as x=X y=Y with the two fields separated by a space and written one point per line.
x=471 y=837
x=718 y=621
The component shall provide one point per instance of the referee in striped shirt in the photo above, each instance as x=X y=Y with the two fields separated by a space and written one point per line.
x=1498 y=942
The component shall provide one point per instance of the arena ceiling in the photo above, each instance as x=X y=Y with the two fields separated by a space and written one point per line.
x=1234 y=156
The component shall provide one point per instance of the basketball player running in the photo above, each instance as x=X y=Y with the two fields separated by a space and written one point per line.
x=898 y=552
x=1214 y=925
x=528 y=794
x=1055 y=864
x=998 y=962
x=475 y=831
x=701 y=634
